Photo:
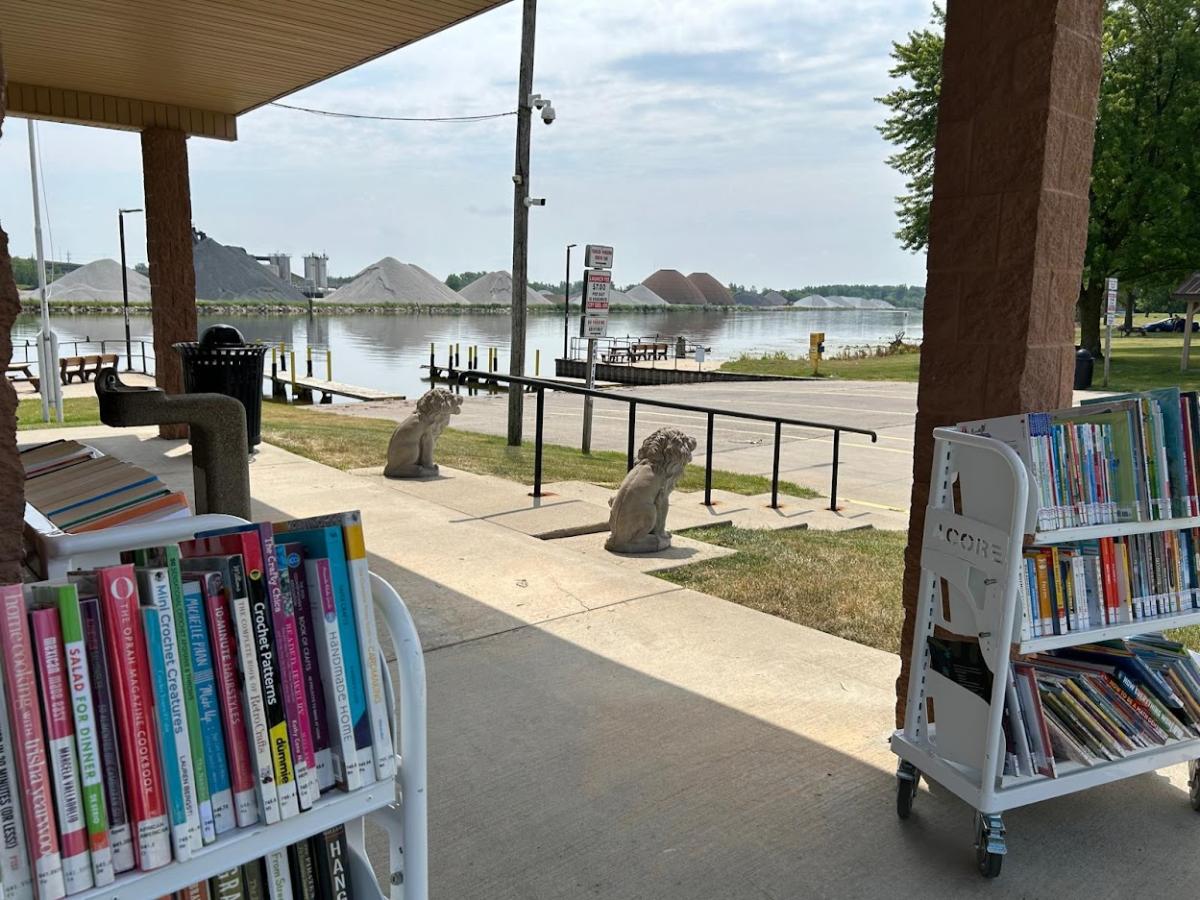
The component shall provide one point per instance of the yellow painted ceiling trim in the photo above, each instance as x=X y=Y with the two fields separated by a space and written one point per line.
x=106 y=111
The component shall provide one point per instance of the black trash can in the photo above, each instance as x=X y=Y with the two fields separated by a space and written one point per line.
x=221 y=362
x=1084 y=366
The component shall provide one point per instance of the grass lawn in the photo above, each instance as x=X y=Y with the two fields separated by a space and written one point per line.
x=1139 y=362
x=844 y=583
x=350 y=443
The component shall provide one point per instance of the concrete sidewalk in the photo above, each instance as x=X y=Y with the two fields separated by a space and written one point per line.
x=597 y=732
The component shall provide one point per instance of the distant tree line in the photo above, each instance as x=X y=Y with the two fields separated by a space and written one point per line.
x=25 y=270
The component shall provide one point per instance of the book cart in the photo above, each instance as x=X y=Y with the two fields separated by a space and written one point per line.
x=400 y=809
x=970 y=587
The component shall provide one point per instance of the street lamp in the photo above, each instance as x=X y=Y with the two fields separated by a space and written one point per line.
x=567 y=301
x=125 y=287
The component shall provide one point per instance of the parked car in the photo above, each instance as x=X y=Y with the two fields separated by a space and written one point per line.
x=1171 y=323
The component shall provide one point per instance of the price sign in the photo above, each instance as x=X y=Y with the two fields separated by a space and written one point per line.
x=598 y=256
x=595 y=292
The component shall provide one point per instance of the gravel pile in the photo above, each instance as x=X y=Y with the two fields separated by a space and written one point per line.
x=495 y=289
x=230 y=273
x=715 y=293
x=672 y=286
x=391 y=281
x=640 y=295
x=816 y=301
x=98 y=280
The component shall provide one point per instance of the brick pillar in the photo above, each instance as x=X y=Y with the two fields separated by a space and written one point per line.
x=12 y=478
x=169 y=248
x=1008 y=225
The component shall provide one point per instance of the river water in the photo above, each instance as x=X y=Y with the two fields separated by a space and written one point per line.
x=386 y=351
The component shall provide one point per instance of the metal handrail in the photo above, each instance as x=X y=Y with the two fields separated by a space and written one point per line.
x=541 y=385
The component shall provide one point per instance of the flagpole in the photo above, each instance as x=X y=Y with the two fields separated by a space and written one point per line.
x=47 y=343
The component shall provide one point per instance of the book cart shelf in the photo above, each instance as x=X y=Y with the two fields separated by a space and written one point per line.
x=970 y=587
x=399 y=809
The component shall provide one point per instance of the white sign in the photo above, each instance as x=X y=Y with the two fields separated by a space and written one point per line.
x=1110 y=284
x=595 y=326
x=598 y=256
x=595 y=292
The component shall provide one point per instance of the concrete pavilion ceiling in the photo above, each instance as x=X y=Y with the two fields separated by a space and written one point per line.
x=195 y=64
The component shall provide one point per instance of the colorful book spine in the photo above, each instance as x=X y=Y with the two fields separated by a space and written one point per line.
x=133 y=703
x=279 y=876
x=198 y=891
x=87 y=738
x=350 y=768
x=332 y=854
x=222 y=630
x=169 y=557
x=16 y=878
x=64 y=762
x=313 y=691
x=245 y=542
x=119 y=833
x=29 y=746
x=205 y=686
x=327 y=542
x=183 y=829
x=228 y=886
x=287 y=644
x=174 y=745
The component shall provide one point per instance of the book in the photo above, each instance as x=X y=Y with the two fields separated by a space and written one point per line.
x=204 y=684
x=168 y=557
x=120 y=835
x=310 y=665
x=77 y=675
x=278 y=875
x=185 y=823
x=222 y=632
x=168 y=506
x=133 y=704
x=33 y=772
x=60 y=748
x=16 y=878
x=328 y=543
x=331 y=852
x=245 y=542
x=228 y=885
x=303 y=871
x=254 y=880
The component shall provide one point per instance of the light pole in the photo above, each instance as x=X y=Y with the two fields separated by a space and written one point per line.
x=567 y=301
x=125 y=287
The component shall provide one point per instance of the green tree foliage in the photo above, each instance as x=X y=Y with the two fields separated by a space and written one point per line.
x=460 y=280
x=1144 y=225
x=25 y=270
x=912 y=125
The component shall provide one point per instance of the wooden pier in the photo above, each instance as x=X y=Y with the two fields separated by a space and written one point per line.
x=303 y=386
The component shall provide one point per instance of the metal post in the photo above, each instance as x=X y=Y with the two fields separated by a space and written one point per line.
x=537 y=363
x=708 y=451
x=520 y=268
x=125 y=292
x=632 y=436
x=293 y=356
x=456 y=355
x=837 y=440
x=329 y=365
x=775 y=468
x=143 y=343
x=308 y=361
x=590 y=384
x=567 y=302
x=537 y=439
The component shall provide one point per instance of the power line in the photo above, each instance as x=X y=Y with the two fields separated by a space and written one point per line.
x=345 y=115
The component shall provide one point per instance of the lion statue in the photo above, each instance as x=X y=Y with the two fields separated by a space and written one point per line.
x=410 y=451
x=638 y=520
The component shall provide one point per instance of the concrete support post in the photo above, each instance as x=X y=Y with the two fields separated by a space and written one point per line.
x=169 y=249
x=1007 y=228
x=12 y=476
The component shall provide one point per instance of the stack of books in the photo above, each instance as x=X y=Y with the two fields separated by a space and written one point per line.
x=1089 y=704
x=187 y=692
x=77 y=488
x=1128 y=458
x=314 y=869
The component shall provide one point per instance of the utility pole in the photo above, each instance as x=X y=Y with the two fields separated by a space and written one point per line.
x=520 y=267
x=567 y=303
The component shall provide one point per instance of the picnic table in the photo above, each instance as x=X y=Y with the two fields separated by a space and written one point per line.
x=18 y=373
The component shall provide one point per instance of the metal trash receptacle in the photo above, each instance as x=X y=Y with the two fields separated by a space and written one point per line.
x=1085 y=366
x=221 y=362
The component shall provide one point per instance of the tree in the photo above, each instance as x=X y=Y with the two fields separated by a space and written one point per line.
x=460 y=280
x=1144 y=223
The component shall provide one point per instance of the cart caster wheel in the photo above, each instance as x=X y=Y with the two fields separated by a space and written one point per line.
x=907 y=780
x=1194 y=783
x=990 y=846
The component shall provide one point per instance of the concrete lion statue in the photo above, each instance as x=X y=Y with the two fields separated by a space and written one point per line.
x=638 y=520
x=410 y=451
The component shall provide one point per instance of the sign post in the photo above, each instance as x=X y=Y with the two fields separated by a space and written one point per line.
x=1110 y=285
x=597 y=279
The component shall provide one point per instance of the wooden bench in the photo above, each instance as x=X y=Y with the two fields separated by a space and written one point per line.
x=19 y=373
x=617 y=355
x=71 y=367
x=93 y=364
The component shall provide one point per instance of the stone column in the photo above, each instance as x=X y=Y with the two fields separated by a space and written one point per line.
x=12 y=477
x=1007 y=228
x=169 y=248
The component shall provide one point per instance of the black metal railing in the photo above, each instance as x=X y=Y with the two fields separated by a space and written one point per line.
x=142 y=347
x=539 y=386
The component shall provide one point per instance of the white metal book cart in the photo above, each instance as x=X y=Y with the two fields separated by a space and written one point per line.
x=973 y=541
x=400 y=808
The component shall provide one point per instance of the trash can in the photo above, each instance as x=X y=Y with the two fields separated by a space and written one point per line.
x=1084 y=365
x=221 y=362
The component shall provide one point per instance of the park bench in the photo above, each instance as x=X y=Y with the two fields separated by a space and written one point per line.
x=71 y=367
x=617 y=355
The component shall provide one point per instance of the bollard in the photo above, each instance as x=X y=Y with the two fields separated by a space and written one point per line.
x=329 y=365
x=456 y=355
x=537 y=363
x=308 y=361
x=293 y=361
x=282 y=357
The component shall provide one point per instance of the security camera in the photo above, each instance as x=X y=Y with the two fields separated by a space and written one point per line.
x=535 y=201
x=548 y=113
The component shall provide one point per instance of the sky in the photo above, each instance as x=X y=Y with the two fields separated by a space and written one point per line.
x=735 y=137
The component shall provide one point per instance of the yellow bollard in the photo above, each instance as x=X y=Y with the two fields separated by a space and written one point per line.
x=292 y=358
x=537 y=363
x=272 y=357
x=329 y=365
